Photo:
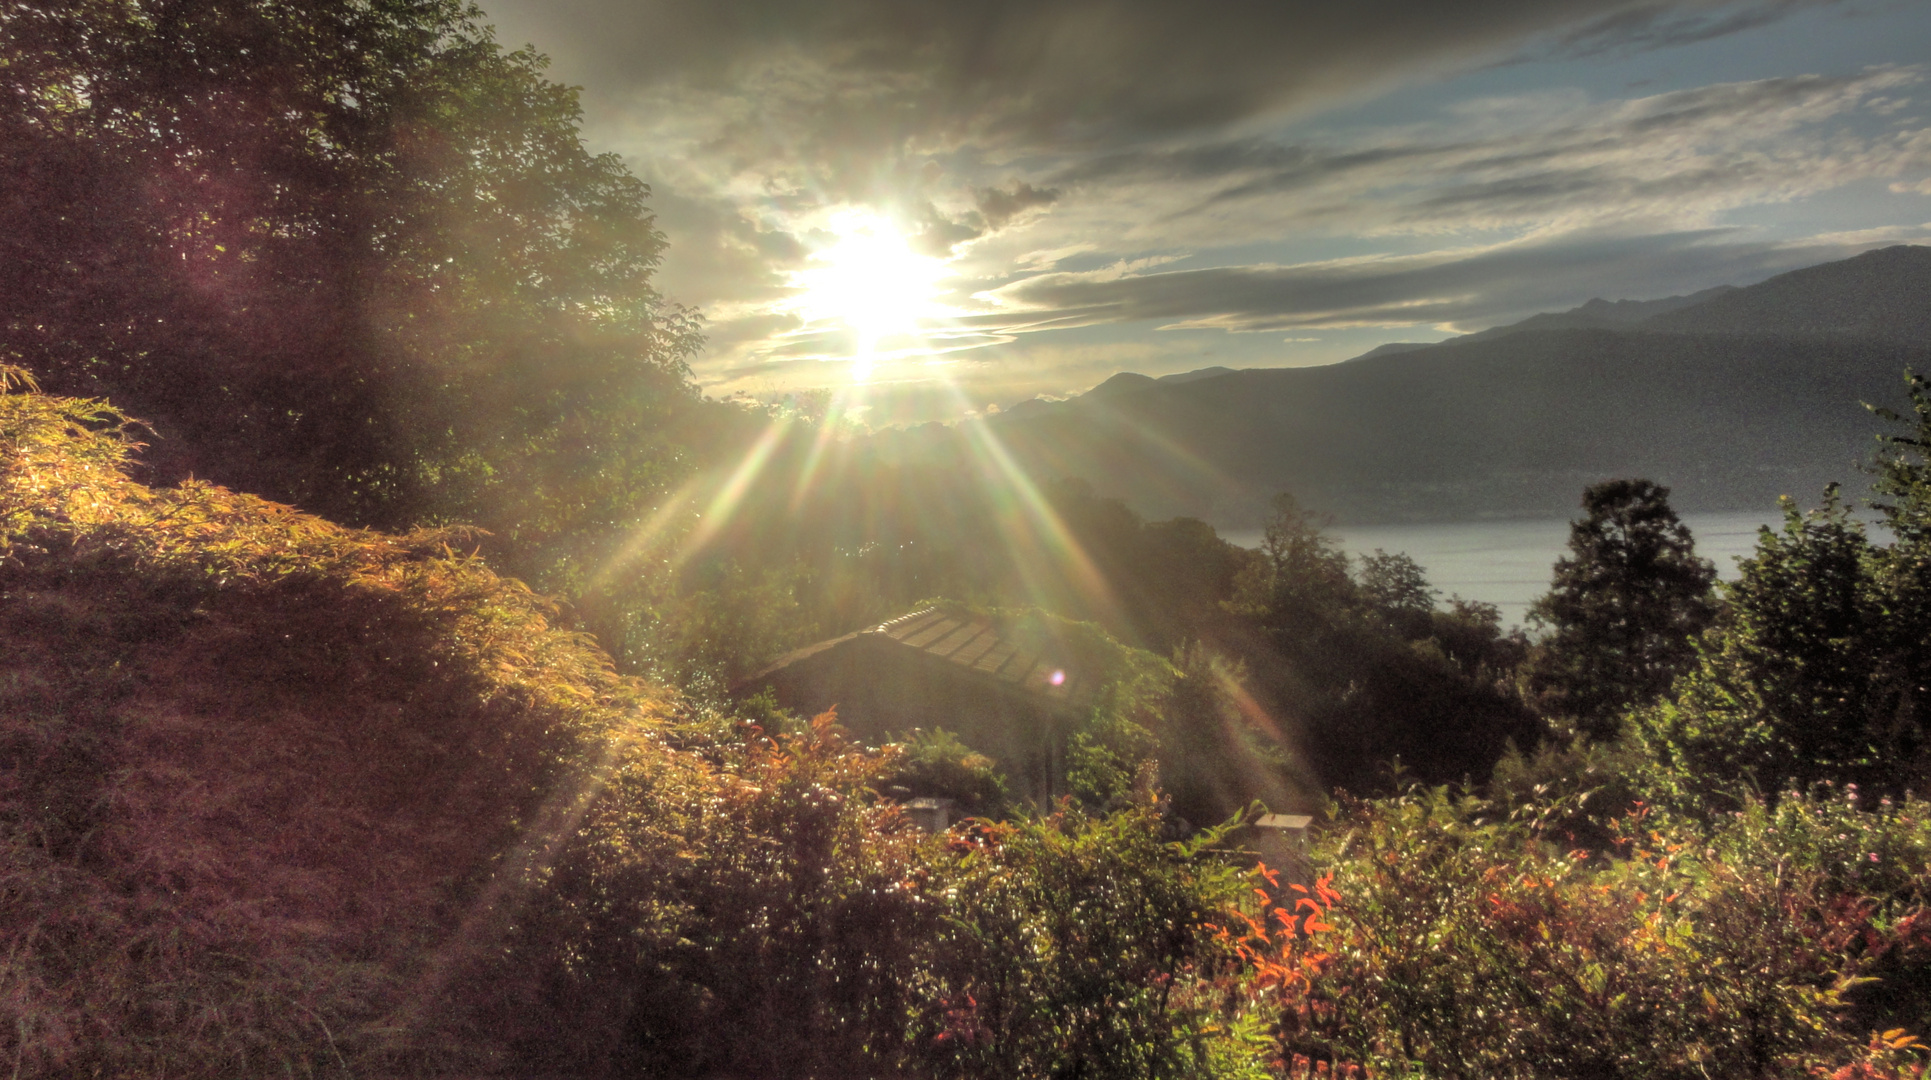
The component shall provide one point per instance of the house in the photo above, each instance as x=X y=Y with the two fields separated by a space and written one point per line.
x=1011 y=691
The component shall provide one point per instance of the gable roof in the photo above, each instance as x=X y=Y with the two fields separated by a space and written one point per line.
x=974 y=643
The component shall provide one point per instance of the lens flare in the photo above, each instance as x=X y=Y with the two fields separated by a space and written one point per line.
x=872 y=282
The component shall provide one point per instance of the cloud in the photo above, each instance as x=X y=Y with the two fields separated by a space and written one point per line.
x=719 y=254
x=999 y=207
x=1508 y=163
x=1053 y=72
x=1084 y=163
x=939 y=234
x=1468 y=289
x=1662 y=24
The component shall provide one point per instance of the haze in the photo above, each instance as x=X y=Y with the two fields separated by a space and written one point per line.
x=1085 y=188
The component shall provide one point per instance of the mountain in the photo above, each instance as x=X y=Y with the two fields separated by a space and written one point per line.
x=1129 y=381
x=1126 y=382
x=1196 y=375
x=1883 y=293
x=1731 y=396
x=1600 y=313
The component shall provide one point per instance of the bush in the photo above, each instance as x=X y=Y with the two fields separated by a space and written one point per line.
x=1463 y=944
x=1078 y=946
x=274 y=788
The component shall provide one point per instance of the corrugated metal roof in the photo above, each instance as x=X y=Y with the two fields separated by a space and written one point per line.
x=975 y=644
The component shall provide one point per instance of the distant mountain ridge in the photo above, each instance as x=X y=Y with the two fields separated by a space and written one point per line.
x=1732 y=396
x=1600 y=313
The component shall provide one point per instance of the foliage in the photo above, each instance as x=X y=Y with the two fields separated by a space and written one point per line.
x=936 y=764
x=1903 y=467
x=1470 y=635
x=1575 y=785
x=1817 y=669
x=1301 y=582
x=348 y=255
x=1463 y=944
x=704 y=629
x=1396 y=590
x=1356 y=674
x=774 y=930
x=512 y=840
x=1799 y=681
x=1076 y=946
x=1625 y=607
x=180 y=666
x=1215 y=756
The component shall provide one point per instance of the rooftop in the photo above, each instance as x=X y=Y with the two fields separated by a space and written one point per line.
x=974 y=643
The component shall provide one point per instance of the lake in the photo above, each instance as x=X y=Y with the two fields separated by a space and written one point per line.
x=1508 y=563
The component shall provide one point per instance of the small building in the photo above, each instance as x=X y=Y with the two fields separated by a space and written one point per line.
x=931 y=815
x=1280 y=841
x=1010 y=693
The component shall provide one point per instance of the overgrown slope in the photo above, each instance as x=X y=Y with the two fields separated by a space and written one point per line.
x=270 y=789
x=283 y=798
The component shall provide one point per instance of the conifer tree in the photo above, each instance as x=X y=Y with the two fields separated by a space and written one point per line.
x=1624 y=608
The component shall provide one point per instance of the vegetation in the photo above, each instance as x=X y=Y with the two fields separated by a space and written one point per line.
x=1365 y=669
x=512 y=839
x=353 y=257
x=281 y=796
x=1627 y=604
x=1783 y=941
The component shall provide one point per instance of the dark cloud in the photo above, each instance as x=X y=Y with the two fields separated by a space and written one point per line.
x=1474 y=290
x=1661 y=24
x=938 y=234
x=999 y=206
x=1056 y=72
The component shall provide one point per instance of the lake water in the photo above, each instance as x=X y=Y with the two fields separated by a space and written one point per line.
x=1508 y=563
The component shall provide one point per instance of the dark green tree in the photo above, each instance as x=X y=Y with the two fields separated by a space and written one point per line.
x=351 y=255
x=1788 y=686
x=1625 y=608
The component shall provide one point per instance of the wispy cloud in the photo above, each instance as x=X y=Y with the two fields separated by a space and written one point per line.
x=1086 y=164
x=1678 y=157
x=1466 y=289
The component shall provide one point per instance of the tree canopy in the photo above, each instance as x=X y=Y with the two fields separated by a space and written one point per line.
x=1817 y=670
x=349 y=255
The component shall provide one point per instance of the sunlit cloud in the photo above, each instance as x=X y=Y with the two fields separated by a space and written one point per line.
x=872 y=185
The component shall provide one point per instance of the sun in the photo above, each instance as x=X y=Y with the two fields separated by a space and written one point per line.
x=870 y=280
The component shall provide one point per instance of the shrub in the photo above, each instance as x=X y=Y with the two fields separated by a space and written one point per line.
x=1468 y=945
x=1076 y=945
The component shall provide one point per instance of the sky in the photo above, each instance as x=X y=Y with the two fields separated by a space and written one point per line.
x=935 y=208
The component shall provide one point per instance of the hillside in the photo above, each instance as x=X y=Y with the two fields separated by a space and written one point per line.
x=272 y=792
x=279 y=797
x=1731 y=397
x=282 y=798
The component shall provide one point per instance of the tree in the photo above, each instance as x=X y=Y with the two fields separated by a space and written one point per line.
x=1789 y=685
x=1300 y=583
x=1625 y=607
x=1818 y=669
x=351 y=255
x=1396 y=590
